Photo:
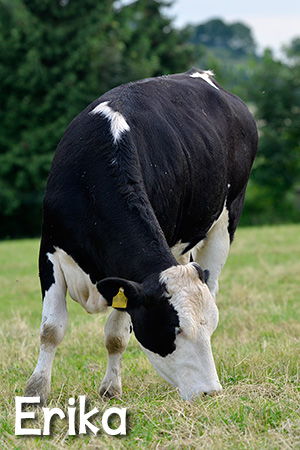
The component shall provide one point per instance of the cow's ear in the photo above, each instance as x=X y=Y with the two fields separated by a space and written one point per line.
x=206 y=275
x=121 y=294
x=203 y=274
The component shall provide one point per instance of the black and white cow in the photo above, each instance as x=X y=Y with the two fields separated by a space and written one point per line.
x=146 y=189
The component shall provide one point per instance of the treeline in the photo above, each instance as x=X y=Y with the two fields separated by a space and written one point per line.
x=271 y=88
x=58 y=56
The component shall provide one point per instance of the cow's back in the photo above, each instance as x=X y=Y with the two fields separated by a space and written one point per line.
x=195 y=143
x=188 y=148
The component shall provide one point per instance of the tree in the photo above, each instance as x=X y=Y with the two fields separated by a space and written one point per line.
x=48 y=54
x=56 y=57
x=229 y=50
x=152 y=46
x=235 y=39
x=293 y=52
x=276 y=94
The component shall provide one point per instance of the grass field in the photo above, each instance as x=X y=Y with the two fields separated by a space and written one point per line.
x=256 y=348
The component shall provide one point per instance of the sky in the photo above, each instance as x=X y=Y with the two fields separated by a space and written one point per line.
x=273 y=23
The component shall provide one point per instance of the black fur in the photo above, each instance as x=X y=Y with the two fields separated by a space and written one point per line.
x=154 y=319
x=117 y=207
x=46 y=270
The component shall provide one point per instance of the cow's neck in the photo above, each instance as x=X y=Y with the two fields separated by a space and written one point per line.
x=138 y=256
x=124 y=244
x=134 y=244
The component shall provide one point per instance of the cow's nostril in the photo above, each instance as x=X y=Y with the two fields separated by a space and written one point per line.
x=211 y=393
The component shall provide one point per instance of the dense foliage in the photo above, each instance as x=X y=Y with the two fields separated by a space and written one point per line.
x=271 y=88
x=57 y=56
x=275 y=182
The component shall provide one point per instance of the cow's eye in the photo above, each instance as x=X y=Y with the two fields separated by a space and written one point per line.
x=178 y=331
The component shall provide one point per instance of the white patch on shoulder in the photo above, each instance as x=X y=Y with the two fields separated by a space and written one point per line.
x=79 y=284
x=118 y=124
x=205 y=76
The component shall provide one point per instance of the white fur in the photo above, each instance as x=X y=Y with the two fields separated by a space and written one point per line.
x=190 y=367
x=177 y=253
x=53 y=329
x=191 y=299
x=118 y=124
x=117 y=334
x=185 y=258
x=67 y=274
x=205 y=76
x=212 y=254
x=79 y=284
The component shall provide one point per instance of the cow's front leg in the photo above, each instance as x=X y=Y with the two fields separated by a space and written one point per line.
x=117 y=334
x=53 y=328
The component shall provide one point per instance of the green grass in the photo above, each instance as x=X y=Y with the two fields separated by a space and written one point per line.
x=256 y=348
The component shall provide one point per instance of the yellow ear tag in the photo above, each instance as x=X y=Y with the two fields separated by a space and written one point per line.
x=120 y=300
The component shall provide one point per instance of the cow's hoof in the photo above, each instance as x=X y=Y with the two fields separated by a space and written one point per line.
x=37 y=386
x=109 y=390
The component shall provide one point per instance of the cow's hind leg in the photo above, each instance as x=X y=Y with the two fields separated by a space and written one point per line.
x=213 y=252
x=117 y=334
x=53 y=326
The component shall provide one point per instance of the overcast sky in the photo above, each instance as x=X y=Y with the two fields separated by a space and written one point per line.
x=273 y=23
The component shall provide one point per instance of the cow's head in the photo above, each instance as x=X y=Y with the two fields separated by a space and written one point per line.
x=173 y=316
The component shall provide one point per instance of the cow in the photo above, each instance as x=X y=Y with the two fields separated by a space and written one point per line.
x=143 y=198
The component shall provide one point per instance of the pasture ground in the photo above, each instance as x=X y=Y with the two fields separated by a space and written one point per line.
x=256 y=348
